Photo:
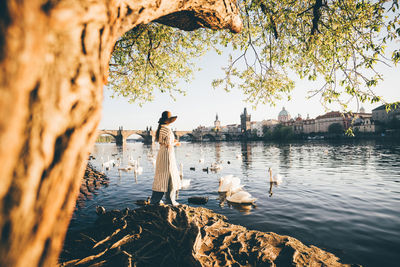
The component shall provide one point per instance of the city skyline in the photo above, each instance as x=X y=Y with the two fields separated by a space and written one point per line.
x=202 y=103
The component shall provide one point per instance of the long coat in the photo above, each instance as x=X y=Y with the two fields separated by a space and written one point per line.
x=166 y=163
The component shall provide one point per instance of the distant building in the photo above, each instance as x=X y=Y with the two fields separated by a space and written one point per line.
x=257 y=128
x=364 y=125
x=362 y=122
x=200 y=128
x=283 y=115
x=217 y=123
x=245 y=124
x=323 y=122
x=379 y=114
x=309 y=126
x=298 y=125
x=233 y=128
x=271 y=123
x=361 y=116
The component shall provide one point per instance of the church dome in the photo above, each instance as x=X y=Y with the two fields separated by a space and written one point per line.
x=283 y=112
x=283 y=115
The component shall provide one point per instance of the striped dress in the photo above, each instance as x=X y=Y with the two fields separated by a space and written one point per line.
x=166 y=163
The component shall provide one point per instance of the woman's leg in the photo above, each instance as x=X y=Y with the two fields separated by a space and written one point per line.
x=156 y=197
x=171 y=194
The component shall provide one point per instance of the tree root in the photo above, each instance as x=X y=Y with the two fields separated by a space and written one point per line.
x=186 y=236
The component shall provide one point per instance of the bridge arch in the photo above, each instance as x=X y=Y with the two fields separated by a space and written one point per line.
x=209 y=137
x=226 y=137
x=104 y=137
x=109 y=132
x=187 y=137
x=139 y=136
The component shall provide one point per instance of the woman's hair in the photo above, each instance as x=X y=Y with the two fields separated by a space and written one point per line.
x=158 y=131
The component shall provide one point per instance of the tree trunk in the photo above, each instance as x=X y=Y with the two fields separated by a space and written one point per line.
x=53 y=64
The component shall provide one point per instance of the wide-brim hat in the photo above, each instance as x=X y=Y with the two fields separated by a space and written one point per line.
x=167 y=118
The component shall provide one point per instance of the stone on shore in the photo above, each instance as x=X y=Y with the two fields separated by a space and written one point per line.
x=183 y=236
x=91 y=182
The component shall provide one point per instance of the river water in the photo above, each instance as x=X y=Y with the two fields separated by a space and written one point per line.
x=342 y=197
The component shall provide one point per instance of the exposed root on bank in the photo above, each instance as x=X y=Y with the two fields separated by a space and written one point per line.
x=183 y=236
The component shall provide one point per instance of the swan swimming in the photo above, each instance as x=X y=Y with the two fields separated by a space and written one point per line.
x=276 y=179
x=240 y=197
x=137 y=169
x=132 y=161
x=125 y=169
x=118 y=163
x=229 y=182
x=108 y=164
x=185 y=183
x=215 y=167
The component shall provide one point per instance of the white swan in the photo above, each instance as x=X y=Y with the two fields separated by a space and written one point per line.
x=117 y=163
x=125 y=169
x=185 y=183
x=215 y=167
x=276 y=179
x=240 y=197
x=132 y=162
x=229 y=183
x=137 y=169
x=108 y=164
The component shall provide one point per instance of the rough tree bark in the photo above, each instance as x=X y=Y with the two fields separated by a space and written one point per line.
x=54 y=58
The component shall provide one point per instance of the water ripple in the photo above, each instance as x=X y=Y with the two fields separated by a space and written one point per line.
x=343 y=197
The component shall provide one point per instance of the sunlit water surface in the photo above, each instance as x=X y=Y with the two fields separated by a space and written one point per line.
x=341 y=197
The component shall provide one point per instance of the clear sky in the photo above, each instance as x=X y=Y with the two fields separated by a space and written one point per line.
x=202 y=102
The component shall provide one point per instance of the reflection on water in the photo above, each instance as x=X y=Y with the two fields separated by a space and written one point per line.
x=218 y=152
x=244 y=208
x=271 y=185
x=342 y=197
x=246 y=154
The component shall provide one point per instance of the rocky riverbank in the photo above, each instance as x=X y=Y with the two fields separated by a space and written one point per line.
x=91 y=182
x=183 y=236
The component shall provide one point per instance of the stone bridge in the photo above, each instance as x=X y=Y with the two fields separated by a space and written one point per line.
x=148 y=135
x=215 y=136
x=122 y=135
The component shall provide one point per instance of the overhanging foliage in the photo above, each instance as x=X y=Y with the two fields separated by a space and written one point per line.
x=339 y=42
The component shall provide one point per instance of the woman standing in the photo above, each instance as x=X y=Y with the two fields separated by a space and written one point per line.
x=166 y=178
